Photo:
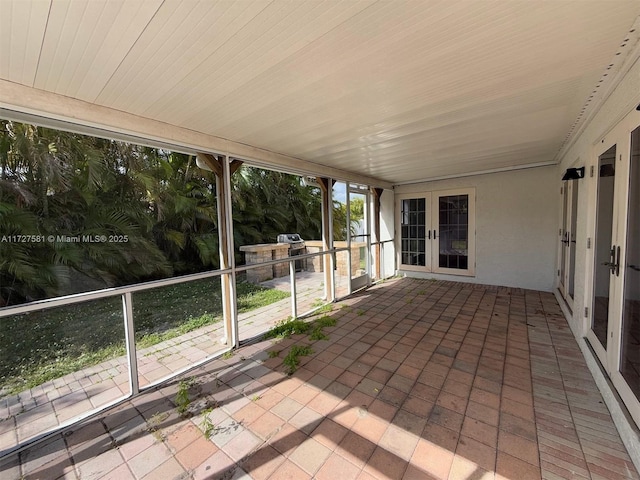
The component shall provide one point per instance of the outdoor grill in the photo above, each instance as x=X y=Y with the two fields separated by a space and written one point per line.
x=296 y=247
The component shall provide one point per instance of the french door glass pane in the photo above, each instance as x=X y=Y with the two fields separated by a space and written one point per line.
x=572 y=237
x=413 y=231
x=604 y=222
x=453 y=212
x=630 y=352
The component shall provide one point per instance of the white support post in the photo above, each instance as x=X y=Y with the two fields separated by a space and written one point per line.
x=332 y=258
x=222 y=256
x=292 y=276
x=328 y=259
x=324 y=227
x=220 y=166
x=349 y=270
x=130 y=340
x=231 y=260
x=367 y=223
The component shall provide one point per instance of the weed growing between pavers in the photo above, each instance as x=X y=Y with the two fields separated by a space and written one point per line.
x=326 y=321
x=289 y=327
x=207 y=426
x=182 y=400
x=153 y=425
x=227 y=355
x=322 y=307
x=292 y=360
x=317 y=333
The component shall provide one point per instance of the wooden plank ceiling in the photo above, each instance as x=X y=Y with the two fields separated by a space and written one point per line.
x=397 y=90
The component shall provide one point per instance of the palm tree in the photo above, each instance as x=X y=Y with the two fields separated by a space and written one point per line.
x=268 y=203
x=183 y=201
x=61 y=184
x=64 y=184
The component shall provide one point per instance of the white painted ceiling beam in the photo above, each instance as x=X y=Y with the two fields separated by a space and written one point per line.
x=43 y=105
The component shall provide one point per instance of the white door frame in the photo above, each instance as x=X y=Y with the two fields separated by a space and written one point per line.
x=567 y=239
x=431 y=235
x=610 y=357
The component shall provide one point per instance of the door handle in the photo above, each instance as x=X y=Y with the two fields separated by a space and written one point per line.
x=429 y=235
x=612 y=263
x=434 y=234
x=635 y=267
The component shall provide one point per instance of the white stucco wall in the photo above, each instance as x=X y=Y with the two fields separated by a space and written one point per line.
x=516 y=226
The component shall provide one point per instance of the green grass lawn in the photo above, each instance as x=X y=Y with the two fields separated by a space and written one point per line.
x=44 y=345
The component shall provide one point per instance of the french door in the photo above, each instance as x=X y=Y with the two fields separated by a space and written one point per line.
x=614 y=329
x=437 y=231
x=567 y=268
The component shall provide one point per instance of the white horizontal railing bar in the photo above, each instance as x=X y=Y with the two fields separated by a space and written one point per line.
x=308 y=313
x=382 y=243
x=122 y=291
x=116 y=291
x=364 y=287
x=187 y=369
x=243 y=268
x=105 y=293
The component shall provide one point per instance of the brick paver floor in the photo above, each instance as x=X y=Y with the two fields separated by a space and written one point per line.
x=418 y=380
x=29 y=413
